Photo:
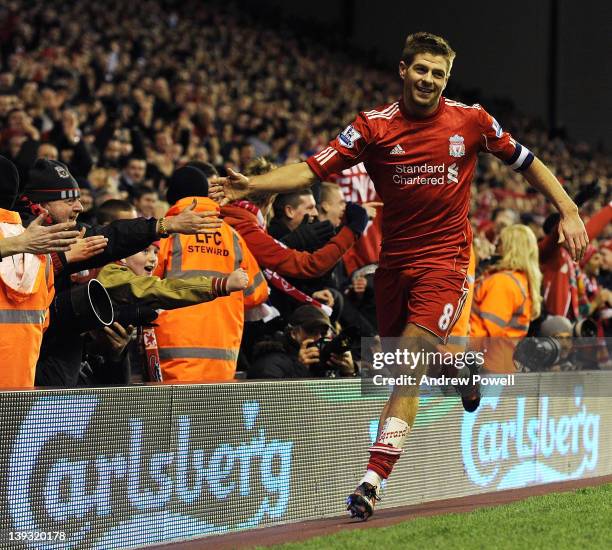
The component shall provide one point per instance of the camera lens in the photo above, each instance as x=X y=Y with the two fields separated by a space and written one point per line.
x=100 y=302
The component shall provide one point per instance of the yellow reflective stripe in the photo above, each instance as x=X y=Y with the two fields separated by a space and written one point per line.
x=518 y=283
x=198 y=353
x=177 y=258
x=493 y=318
x=22 y=316
x=513 y=323
x=176 y=271
x=237 y=250
x=257 y=280
x=514 y=320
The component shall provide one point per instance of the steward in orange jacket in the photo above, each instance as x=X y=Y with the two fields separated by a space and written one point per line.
x=26 y=292
x=508 y=299
x=502 y=306
x=501 y=311
x=201 y=342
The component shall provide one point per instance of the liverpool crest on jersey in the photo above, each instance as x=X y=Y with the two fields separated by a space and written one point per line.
x=456 y=147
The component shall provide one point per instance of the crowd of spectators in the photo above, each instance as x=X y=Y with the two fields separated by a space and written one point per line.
x=142 y=103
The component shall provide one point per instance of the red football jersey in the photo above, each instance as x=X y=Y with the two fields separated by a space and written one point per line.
x=422 y=170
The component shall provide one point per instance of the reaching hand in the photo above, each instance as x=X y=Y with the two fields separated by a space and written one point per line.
x=344 y=363
x=587 y=193
x=86 y=247
x=324 y=296
x=309 y=236
x=189 y=222
x=603 y=298
x=573 y=235
x=40 y=239
x=117 y=338
x=237 y=280
x=231 y=188
x=484 y=248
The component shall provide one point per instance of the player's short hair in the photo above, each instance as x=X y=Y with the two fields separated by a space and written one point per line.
x=425 y=42
x=109 y=210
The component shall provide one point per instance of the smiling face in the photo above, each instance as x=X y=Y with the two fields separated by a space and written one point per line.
x=424 y=81
x=143 y=263
x=294 y=215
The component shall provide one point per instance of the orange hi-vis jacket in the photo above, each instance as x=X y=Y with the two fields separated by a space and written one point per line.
x=201 y=342
x=26 y=292
x=502 y=312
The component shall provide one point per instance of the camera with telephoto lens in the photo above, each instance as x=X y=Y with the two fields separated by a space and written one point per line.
x=542 y=352
x=83 y=308
x=135 y=315
x=343 y=342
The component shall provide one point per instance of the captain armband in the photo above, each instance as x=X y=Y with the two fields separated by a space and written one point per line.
x=521 y=159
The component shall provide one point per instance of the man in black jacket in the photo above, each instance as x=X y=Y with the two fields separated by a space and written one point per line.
x=51 y=186
x=294 y=353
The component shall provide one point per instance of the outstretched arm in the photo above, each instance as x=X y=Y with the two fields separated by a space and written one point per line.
x=282 y=180
x=40 y=239
x=571 y=228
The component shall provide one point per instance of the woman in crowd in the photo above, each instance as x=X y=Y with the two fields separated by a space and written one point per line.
x=507 y=297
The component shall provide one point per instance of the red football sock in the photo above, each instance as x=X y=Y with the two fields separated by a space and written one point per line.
x=382 y=459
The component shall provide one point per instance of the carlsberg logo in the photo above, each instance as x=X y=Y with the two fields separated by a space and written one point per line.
x=529 y=448
x=135 y=482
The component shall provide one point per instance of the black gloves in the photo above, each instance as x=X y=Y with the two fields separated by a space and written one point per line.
x=587 y=192
x=309 y=237
x=356 y=218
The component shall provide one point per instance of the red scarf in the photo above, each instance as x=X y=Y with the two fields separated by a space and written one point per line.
x=148 y=352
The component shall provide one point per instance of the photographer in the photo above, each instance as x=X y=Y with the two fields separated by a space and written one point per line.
x=296 y=352
x=561 y=345
x=559 y=328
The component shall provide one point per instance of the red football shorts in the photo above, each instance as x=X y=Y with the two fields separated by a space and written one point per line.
x=430 y=298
